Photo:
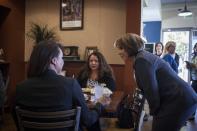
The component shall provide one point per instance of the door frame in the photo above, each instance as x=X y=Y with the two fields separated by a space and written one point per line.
x=190 y=40
x=181 y=29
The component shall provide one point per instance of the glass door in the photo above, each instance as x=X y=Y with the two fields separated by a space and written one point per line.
x=194 y=37
x=183 y=47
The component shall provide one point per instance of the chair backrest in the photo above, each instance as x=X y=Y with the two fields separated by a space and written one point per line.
x=48 y=120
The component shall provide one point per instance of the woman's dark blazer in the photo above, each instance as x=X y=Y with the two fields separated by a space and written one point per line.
x=164 y=90
x=108 y=80
x=51 y=92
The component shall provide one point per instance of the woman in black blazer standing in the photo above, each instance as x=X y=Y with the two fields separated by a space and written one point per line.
x=171 y=100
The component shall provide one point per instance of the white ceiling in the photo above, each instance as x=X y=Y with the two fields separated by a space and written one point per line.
x=152 y=9
x=176 y=1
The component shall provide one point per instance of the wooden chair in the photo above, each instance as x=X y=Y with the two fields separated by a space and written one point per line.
x=48 y=120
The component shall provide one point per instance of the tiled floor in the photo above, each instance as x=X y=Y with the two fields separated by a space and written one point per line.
x=106 y=124
x=190 y=125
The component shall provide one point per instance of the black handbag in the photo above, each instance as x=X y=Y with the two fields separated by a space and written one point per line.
x=124 y=113
x=129 y=110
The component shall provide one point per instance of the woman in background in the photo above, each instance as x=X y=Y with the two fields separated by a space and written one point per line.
x=96 y=71
x=193 y=71
x=158 y=49
x=171 y=100
x=193 y=68
x=170 y=56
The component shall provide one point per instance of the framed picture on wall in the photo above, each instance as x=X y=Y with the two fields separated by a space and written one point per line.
x=71 y=14
x=89 y=50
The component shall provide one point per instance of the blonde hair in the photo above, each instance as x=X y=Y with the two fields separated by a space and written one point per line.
x=168 y=44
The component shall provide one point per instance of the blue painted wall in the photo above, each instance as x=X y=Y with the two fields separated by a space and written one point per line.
x=152 y=31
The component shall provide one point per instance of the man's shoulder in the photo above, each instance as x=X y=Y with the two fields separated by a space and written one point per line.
x=24 y=82
x=66 y=79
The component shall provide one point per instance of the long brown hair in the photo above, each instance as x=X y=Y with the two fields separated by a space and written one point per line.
x=104 y=68
x=41 y=57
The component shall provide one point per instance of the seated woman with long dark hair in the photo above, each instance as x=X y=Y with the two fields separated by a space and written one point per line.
x=96 y=71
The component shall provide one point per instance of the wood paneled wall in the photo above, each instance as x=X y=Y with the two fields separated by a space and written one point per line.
x=12 y=36
x=133 y=20
x=124 y=73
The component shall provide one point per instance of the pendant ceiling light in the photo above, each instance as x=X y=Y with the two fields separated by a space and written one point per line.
x=184 y=12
